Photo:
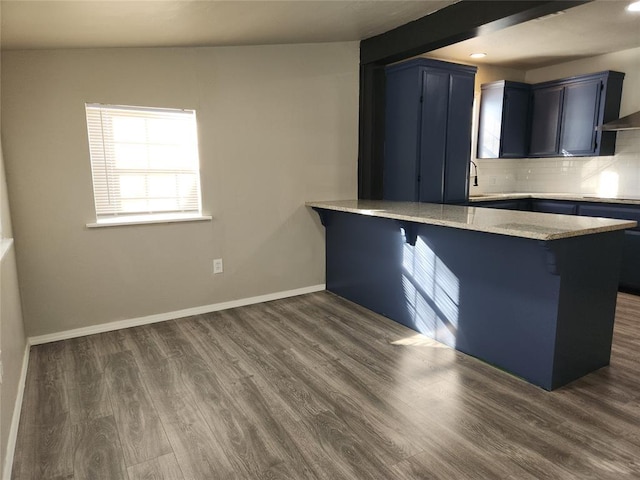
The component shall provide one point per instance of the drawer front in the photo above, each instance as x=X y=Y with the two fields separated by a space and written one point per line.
x=517 y=204
x=551 y=206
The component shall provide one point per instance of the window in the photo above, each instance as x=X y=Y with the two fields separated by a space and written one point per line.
x=144 y=163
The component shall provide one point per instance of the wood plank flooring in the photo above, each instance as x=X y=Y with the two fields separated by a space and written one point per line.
x=314 y=387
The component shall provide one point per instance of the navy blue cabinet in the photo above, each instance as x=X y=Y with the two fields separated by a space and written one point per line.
x=522 y=204
x=580 y=117
x=503 y=129
x=565 y=114
x=545 y=120
x=428 y=131
x=550 y=119
x=630 y=268
x=554 y=206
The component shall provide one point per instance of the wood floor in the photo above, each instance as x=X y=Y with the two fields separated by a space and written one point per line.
x=315 y=387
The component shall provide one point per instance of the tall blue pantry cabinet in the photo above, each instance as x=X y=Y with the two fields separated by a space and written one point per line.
x=428 y=113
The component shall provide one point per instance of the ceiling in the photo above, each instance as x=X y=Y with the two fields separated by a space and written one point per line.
x=595 y=28
x=29 y=24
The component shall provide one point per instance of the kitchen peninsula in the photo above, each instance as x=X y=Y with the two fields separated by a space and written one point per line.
x=531 y=293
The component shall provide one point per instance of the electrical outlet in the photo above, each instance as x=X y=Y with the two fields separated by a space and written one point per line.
x=217 y=265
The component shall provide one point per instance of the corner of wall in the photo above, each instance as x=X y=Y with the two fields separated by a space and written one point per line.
x=13 y=340
x=7 y=459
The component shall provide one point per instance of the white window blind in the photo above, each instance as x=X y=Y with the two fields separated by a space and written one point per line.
x=143 y=160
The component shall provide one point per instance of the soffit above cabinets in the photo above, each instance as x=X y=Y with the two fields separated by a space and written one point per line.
x=178 y=23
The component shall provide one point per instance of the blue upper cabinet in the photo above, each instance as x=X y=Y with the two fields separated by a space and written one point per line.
x=546 y=107
x=567 y=112
x=581 y=105
x=550 y=119
x=503 y=129
x=428 y=131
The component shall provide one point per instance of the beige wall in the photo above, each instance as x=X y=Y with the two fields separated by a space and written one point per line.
x=12 y=336
x=277 y=127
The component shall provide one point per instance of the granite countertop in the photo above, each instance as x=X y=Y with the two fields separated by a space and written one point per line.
x=577 y=197
x=538 y=226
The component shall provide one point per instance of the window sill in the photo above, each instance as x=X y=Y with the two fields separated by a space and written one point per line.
x=5 y=245
x=148 y=219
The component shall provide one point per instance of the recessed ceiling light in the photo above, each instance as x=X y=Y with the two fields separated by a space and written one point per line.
x=633 y=7
x=478 y=55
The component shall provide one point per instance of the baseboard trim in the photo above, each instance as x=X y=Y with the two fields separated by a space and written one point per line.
x=15 y=419
x=162 y=317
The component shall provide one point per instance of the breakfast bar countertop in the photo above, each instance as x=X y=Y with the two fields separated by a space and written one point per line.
x=532 y=225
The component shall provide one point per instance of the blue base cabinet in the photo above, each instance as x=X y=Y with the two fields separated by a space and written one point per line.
x=428 y=131
x=630 y=266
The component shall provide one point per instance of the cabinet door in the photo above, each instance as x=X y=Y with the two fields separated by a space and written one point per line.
x=458 y=143
x=435 y=99
x=503 y=127
x=545 y=122
x=490 y=122
x=402 y=133
x=580 y=117
x=515 y=134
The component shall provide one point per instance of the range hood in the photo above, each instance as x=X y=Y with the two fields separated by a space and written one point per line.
x=630 y=122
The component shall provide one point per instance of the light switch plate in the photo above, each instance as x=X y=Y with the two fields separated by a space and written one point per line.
x=217 y=266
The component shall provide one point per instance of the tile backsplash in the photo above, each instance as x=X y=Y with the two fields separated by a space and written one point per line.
x=612 y=176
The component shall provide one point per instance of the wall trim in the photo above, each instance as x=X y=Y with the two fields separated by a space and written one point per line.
x=15 y=418
x=162 y=317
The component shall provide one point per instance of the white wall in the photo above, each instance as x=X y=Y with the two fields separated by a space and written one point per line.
x=277 y=126
x=589 y=175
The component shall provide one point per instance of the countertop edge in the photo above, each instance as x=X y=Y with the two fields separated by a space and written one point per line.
x=569 y=197
x=615 y=226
